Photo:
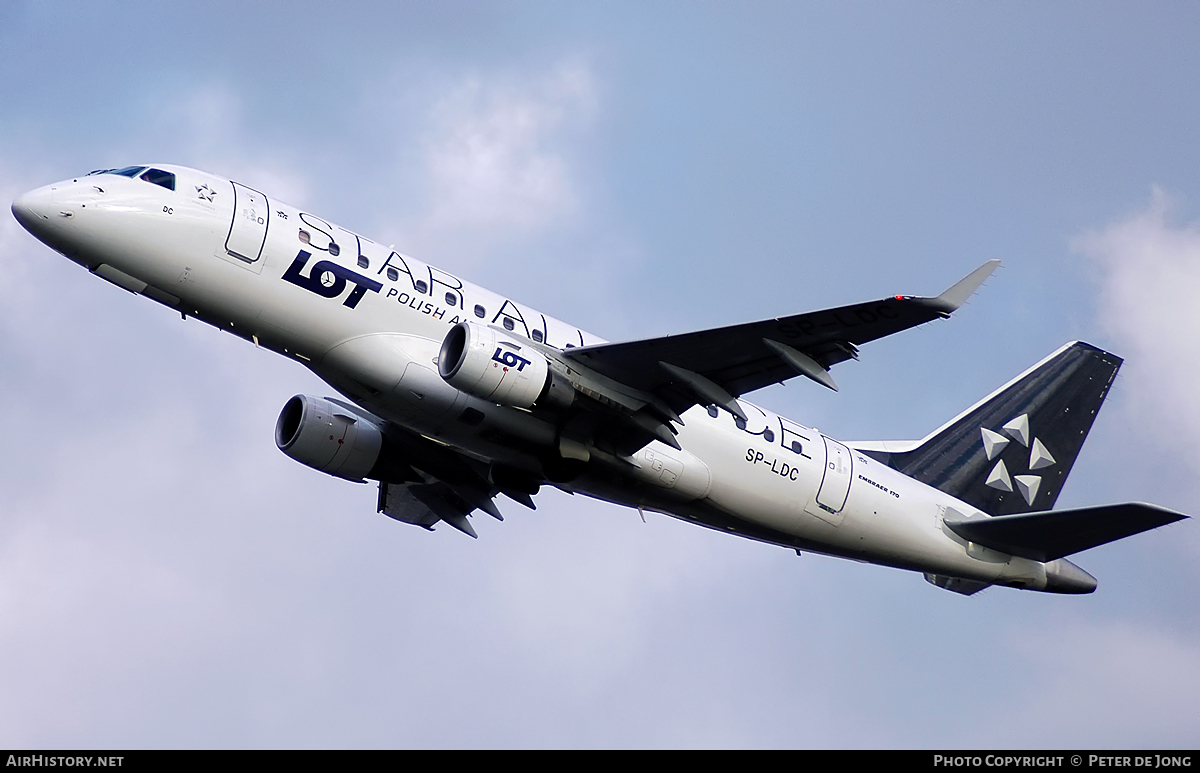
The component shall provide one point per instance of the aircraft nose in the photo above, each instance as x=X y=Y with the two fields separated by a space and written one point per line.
x=34 y=209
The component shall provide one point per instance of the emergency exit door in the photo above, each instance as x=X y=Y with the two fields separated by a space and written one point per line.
x=835 y=485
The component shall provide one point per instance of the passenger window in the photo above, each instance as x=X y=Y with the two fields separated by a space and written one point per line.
x=712 y=411
x=796 y=447
x=508 y=323
x=451 y=299
x=334 y=249
x=740 y=422
x=768 y=435
x=480 y=311
x=363 y=262
x=421 y=286
x=537 y=336
x=305 y=236
x=393 y=274
x=159 y=177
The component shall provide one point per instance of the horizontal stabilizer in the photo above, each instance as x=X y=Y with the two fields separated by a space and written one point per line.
x=1053 y=534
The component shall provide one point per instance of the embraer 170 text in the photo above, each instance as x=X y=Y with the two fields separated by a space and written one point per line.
x=452 y=394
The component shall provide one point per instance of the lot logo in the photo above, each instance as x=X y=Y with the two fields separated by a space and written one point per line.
x=510 y=359
x=327 y=279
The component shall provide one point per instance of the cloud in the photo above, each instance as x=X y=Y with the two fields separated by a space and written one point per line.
x=1149 y=267
x=492 y=156
x=484 y=173
x=494 y=152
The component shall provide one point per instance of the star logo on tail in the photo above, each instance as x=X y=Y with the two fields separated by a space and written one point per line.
x=1039 y=458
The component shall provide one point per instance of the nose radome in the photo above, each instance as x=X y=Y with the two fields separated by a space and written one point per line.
x=34 y=208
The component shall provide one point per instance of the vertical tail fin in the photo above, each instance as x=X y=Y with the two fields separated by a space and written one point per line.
x=1012 y=451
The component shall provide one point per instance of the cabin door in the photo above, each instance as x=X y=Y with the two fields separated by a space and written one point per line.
x=835 y=483
x=248 y=231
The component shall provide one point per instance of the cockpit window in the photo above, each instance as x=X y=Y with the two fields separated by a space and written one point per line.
x=156 y=176
x=129 y=171
x=159 y=177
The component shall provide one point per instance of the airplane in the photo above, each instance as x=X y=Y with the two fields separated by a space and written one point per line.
x=450 y=395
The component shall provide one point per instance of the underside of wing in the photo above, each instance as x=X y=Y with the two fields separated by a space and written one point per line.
x=425 y=504
x=428 y=483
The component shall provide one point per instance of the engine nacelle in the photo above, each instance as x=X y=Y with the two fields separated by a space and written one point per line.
x=328 y=437
x=481 y=361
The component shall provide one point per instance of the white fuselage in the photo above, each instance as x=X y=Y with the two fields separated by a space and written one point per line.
x=370 y=321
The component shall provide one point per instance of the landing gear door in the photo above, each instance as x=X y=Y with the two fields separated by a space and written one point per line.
x=248 y=231
x=830 y=501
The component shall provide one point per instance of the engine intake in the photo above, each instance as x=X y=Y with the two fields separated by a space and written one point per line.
x=323 y=435
x=482 y=362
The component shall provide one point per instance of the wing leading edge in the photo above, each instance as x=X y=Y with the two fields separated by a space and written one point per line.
x=714 y=367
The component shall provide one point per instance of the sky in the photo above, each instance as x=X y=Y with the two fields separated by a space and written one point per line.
x=169 y=579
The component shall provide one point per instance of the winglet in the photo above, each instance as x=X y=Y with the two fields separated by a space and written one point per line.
x=958 y=294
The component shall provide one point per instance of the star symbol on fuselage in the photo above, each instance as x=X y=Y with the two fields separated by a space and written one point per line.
x=1039 y=458
x=204 y=192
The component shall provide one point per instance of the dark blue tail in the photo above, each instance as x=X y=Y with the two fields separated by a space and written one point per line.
x=1012 y=452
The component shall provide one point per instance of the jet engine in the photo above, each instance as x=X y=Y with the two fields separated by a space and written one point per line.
x=481 y=361
x=329 y=437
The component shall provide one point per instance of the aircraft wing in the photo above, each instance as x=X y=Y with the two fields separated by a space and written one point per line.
x=711 y=367
x=424 y=482
x=424 y=504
